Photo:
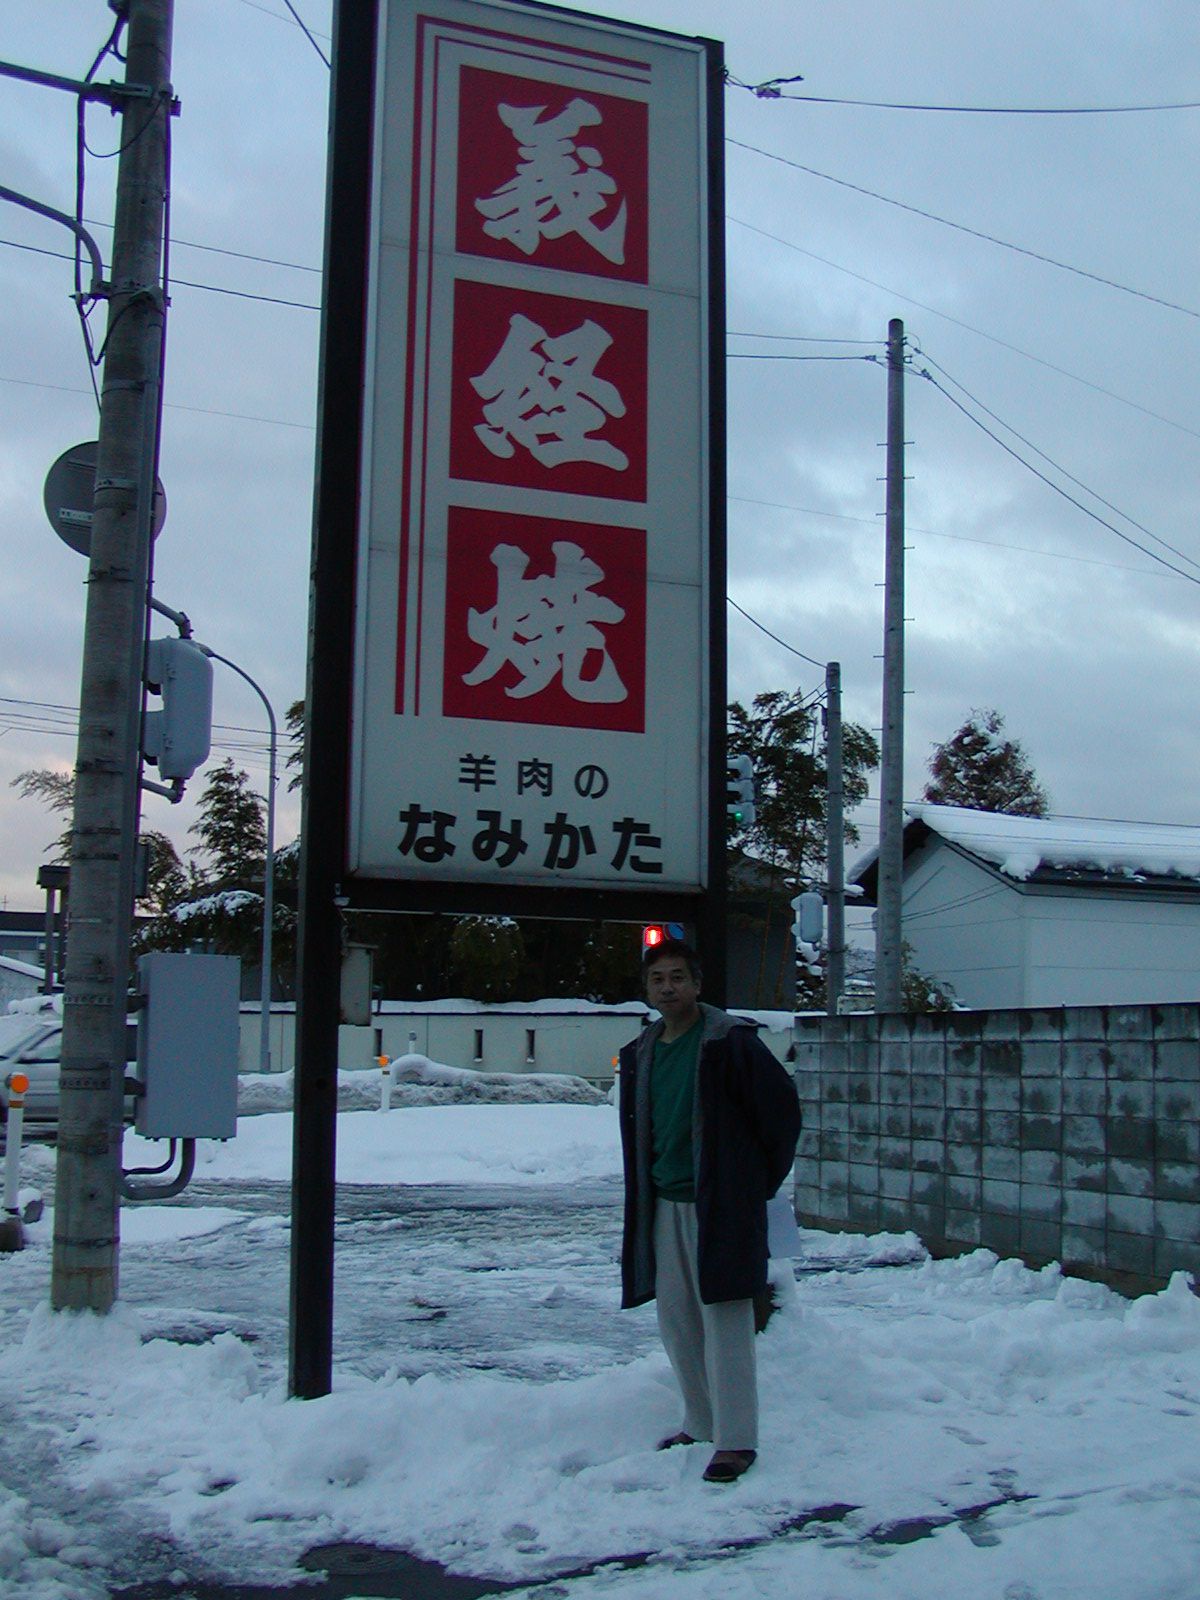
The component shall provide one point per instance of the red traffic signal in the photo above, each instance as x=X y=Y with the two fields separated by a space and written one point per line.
x=654 y=933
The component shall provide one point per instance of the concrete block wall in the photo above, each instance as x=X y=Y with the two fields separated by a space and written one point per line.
x=1070 y=1134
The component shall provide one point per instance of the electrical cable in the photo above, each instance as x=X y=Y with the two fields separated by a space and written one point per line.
x=770 y=90
x=291 y=21
x=303 y=26
x=1058 y=489
x=187 y=283
x=945 y=316
x=803 y=338
x=936 y=533
x=745 y=355
x=811 y=661
x=1141 y=527
x=962 y=227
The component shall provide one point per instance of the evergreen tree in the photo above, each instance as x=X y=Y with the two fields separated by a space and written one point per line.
x=980 y=769
x=485 y=956
x=294 y=720
x=56 y=790
x=782 y=735
x=231 y=830
x=166 y=877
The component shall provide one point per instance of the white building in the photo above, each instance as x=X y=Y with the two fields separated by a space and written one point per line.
x=1049 y=911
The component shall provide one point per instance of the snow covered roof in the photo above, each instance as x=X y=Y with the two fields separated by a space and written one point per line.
x=1021 y=846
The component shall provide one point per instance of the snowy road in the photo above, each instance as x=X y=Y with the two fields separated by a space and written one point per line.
x=436 y=1279
x=962 y=1429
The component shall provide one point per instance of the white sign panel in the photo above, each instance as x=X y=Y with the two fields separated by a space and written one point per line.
x=530 y=662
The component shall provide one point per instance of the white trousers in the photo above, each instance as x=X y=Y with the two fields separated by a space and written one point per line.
x=710 y=1348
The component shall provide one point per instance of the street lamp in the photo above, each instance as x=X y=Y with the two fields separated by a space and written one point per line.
x=264 y=1035
x=183 y=623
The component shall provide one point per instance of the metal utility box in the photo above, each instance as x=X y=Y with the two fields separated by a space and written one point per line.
x=188 y=1046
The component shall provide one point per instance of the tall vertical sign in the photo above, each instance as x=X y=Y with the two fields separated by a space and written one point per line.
x=533 y=558
x=516 y=678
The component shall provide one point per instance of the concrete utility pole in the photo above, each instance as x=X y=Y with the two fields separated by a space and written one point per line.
x=891 y=775
x=835 y=852
x=84 y=1275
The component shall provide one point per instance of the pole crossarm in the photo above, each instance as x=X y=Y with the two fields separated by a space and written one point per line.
x=111 y=93
x=99 y=287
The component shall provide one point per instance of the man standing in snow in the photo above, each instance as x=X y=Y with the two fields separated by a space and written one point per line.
x=709 y=1123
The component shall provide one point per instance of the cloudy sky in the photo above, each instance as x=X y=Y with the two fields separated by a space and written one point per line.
x=1018 y=599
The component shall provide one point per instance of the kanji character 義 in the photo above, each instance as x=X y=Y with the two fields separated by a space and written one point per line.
x=559 y=187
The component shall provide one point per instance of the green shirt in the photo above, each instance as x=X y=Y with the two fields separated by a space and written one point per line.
x=672 y=1092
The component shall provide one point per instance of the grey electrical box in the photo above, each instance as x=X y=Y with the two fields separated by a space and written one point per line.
x=188 y=1046
x=357 y=985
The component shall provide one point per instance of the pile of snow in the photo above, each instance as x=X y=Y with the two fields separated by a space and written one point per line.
x=228 y=902
x=418 y=1081
x=1020 y=845
x=502 y=1144
x=36 y=1004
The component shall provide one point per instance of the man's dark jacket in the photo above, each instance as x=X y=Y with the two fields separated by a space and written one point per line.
x=745 y=1123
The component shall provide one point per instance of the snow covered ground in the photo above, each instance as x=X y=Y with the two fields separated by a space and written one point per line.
x=964 y=1429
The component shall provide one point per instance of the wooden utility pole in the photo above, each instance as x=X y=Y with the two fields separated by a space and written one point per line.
x=891 y=777
x=104 y=830
x=835 y=854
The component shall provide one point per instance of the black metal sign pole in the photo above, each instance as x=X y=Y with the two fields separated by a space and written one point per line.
x=328 y=697
x=712 y=930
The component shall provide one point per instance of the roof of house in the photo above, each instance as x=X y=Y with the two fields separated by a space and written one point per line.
x=1080 y=850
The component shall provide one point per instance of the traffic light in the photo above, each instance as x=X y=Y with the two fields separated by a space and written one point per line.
x=654 y=933
x=809 y=928
x=739 y=792
x=177 y=738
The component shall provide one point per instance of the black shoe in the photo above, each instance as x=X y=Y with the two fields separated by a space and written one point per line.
x=727 y=1465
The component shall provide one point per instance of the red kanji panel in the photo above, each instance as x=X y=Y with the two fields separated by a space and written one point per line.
x=552 y=174
x=548 y=392
x=545 y=621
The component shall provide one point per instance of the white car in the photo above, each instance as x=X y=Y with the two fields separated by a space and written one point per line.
x=31 y=1042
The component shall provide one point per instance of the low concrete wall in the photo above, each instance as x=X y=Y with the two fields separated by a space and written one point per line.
x=570 y=1036
x=1070 y=1134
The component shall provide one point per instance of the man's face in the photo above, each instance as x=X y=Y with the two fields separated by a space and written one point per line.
x=671 y=988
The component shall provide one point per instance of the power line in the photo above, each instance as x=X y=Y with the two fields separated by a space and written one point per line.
x=746 y=355
x=292 y=21
x=811 y=661
x=804 y=338
x=945 y=316
x=300 y=23
x=222 y=250
x=958 y=538
x=1141 y=527
x=1050 y=484
x=773 y=90
x=188 y=283
x=170 y=405
x=961 y=227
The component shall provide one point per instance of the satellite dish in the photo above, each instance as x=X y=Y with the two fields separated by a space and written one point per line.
x=70 y=493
